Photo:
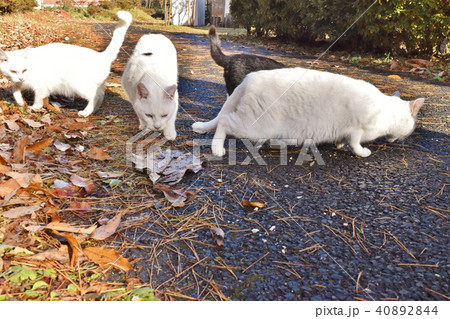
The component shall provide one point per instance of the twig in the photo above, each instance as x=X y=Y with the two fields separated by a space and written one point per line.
x=261 y=258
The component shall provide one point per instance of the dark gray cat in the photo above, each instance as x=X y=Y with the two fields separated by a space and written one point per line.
x=237 y=66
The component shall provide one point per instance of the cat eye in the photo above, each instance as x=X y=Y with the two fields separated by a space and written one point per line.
x=13 y=72
x=165 y=115
x=149 y=115
x=24 y=71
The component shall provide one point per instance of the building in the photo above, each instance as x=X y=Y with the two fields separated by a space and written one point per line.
x=220 y=13
x=188 y=12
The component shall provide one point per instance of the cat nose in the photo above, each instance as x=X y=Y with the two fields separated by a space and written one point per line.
x=157 y=127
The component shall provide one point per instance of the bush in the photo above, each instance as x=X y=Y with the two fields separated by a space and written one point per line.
x=414 y=26
x=10 y=6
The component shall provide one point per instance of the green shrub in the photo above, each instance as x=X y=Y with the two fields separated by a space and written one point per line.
x=10 y=6
x=389 y=26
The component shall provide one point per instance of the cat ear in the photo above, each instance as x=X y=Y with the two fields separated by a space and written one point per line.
x=3 y=56
x=143 y=93
x=396 y=93
x=414 y=106
x=171 y=90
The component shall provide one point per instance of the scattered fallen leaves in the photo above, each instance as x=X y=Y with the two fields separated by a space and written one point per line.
x=60 y=146
x=71 y=229
x=108 y=229
x=98 y=154
x=106 y=257
x=79 y=206
x=32 y=123
x=8 y=187
x=25 y=179
x=19 y=149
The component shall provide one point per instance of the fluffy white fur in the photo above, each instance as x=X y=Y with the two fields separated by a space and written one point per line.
x=305 y=104
x=64 y=69
x=150 y=82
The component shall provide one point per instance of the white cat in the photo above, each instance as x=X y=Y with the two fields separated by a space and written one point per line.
x=305 y=104
x=64 y=69
x=150 y=82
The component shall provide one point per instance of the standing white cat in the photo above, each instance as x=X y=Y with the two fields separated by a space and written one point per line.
x=305 y=104
x=64 y=69
x=150 y=82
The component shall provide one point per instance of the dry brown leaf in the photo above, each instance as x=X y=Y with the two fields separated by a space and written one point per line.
x=176 y=197
x=25 y=179
x=32 y=123
x=218 y=235
x=2 y=131
x=4 y=169
x=40 y=145
x=12 y=125
x=107 y=257
x=108 y=229
x=86 y=183
x=19 y=149
x=80 y=126
x=60 y=146
x=8 y=187
x=63 y=191
x=61 y=254
x=46 y=119
x=74 y=249
x=20 y=211
x=50 y=106
x=252 y=204
x=79 y=206
x=98 y=154
x=71 y=229
x=394 y=76
x=420 y=62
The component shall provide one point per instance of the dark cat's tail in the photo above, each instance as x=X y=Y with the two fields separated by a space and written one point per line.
x=216 y=52
x=113 y=48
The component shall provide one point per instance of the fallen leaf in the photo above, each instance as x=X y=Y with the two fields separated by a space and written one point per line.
x=78 y=126
x=8 y=187
x=79 y=206
x=40 y=145
x=4 y=169
x=252 y=204
x=19 y=149
x=86 y=183
x=176 y=197
x=50 y=106
x=20 y=211
x=74 y=249
x=25 y=179
x=12 y=125
x=107 y=257
x=108 y=229
x=394 y=76
x=13 y=250
x=98 y=154
x=109 y=174
x=420 y=62
x=218 y=235
x=57 y=183
x=61 y=254
x=60 y=146
x=2 y=131
x=71 y=229
x=5 y=157
x=64 y=191
x=32 y=123
x=46 y=119
x=55 y=128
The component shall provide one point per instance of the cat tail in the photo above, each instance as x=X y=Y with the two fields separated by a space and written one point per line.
x=113 y=48
x=216 y=52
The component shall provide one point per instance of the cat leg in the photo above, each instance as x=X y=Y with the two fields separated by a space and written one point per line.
x=355 y=144
x=93 y=103
x=169 y=132
x=18 y=94
x=218 y=141
x=39 y=96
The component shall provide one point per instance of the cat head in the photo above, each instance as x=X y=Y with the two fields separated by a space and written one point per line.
x=14 y=65
x=406 y=117
x=158 y=104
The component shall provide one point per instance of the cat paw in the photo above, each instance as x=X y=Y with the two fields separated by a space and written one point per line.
x=365 y=152
x=218 y=149
x=84 y=113
x=198 y=127
x=170 y=135
x=36 y=107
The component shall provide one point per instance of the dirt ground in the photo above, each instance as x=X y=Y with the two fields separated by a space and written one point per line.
x=354 y=228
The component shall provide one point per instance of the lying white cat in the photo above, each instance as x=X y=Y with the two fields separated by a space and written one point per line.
x=64 y=69
x=150 y=82
x=305 y=104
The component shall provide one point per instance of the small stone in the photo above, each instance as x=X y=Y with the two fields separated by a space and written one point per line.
x=272 y=228
x=255 y=230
